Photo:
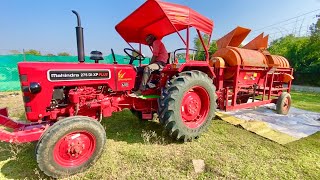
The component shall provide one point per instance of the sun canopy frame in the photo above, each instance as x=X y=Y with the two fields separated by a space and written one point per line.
x=162 y=19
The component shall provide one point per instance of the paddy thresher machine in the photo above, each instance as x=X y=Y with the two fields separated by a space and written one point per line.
x=64 y=102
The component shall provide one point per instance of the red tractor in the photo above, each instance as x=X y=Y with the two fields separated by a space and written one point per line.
x=64 y=102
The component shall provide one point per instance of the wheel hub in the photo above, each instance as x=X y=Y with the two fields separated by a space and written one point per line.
x=191 y=105
x=195 y=106
x=286 y=104
x=74 y=149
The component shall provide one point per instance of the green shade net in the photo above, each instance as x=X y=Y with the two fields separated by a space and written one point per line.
x=9 y=77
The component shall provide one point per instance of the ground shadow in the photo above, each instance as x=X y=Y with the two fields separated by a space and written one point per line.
x=124 y=126
x=21 y=162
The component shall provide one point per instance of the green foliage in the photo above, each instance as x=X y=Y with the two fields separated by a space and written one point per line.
x=302 y=52
x=33 y=52
x=50 y=54
x=64 y=54
x=200 y=55
x=181 y=56
x=293 y=48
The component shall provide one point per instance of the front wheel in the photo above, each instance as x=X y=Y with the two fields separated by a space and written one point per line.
x=187 y=105
x=70 y=146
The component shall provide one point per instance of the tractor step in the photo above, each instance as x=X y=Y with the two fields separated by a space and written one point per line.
x=144 y=96
x=149 y=96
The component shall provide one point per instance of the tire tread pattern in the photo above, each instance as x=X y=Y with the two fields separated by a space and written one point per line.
x=168 y=110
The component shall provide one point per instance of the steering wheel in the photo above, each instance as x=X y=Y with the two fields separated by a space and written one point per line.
x=138 y=55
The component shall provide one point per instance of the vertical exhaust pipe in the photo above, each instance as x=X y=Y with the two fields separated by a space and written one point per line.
x=80 y=42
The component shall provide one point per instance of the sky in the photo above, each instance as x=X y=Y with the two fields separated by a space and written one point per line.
x=48 y=26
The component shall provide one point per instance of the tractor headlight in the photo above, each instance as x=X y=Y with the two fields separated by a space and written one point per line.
x=34 y=88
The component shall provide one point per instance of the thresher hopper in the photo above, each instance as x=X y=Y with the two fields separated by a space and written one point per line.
x=64 y=102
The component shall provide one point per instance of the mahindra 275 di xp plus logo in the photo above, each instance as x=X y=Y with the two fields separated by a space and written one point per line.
x=76 y=75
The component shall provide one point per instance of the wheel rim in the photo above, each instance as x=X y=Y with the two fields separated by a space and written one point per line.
x=195 y=107
x=74 y=149
x=286 y=104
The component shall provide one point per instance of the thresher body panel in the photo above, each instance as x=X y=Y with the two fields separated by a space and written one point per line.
x=250 y=78
x=52 y=75
x=244 y=57
x=278 y=61
x=251 y=58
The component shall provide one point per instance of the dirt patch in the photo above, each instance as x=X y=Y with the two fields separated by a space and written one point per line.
x=14 y=102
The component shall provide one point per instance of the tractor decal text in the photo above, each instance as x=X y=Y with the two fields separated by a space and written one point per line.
x=78 y=75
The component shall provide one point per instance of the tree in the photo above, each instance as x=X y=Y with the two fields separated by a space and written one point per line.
x=50 y=54
x=315 y=27
x=33 y=52
x=303 y=54
x=181 y=55
x=200 y=55
x=314 y=47
x=293 y=48
x=64 y=54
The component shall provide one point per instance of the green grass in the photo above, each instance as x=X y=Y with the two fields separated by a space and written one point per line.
x=141 y=150
x=308 y=101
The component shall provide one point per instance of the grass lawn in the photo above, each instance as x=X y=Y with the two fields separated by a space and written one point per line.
x=138 y=149
x=306 y=100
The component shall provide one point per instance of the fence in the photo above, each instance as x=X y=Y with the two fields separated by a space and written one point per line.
x=9 y=77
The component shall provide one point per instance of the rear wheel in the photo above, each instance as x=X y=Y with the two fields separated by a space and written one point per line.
x=187 y=105
x=70 y=146
x=284 y=103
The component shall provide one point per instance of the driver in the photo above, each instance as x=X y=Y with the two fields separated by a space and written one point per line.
x=158 y=61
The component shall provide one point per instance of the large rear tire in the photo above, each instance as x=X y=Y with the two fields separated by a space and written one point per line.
x=70 y=146
x=187 y=105
x=284 y=103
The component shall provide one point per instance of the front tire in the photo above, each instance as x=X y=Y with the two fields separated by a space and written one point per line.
x=70 y=146
x=187 y=105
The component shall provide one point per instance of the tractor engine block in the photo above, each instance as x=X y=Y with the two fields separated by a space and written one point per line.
x=92 y=101
x=85 y=95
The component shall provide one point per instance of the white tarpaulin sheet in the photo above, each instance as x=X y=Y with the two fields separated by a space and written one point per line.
x=298 y=123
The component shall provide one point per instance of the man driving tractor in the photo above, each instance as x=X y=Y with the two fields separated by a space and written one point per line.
x=158 y=61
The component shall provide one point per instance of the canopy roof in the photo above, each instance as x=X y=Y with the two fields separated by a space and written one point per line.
x=161 y=19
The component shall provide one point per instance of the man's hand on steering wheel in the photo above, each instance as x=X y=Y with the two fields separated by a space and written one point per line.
x=138 y=55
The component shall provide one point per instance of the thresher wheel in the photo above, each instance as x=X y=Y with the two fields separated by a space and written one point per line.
x=70 y=146
x=284 y=103
x=187 y=105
